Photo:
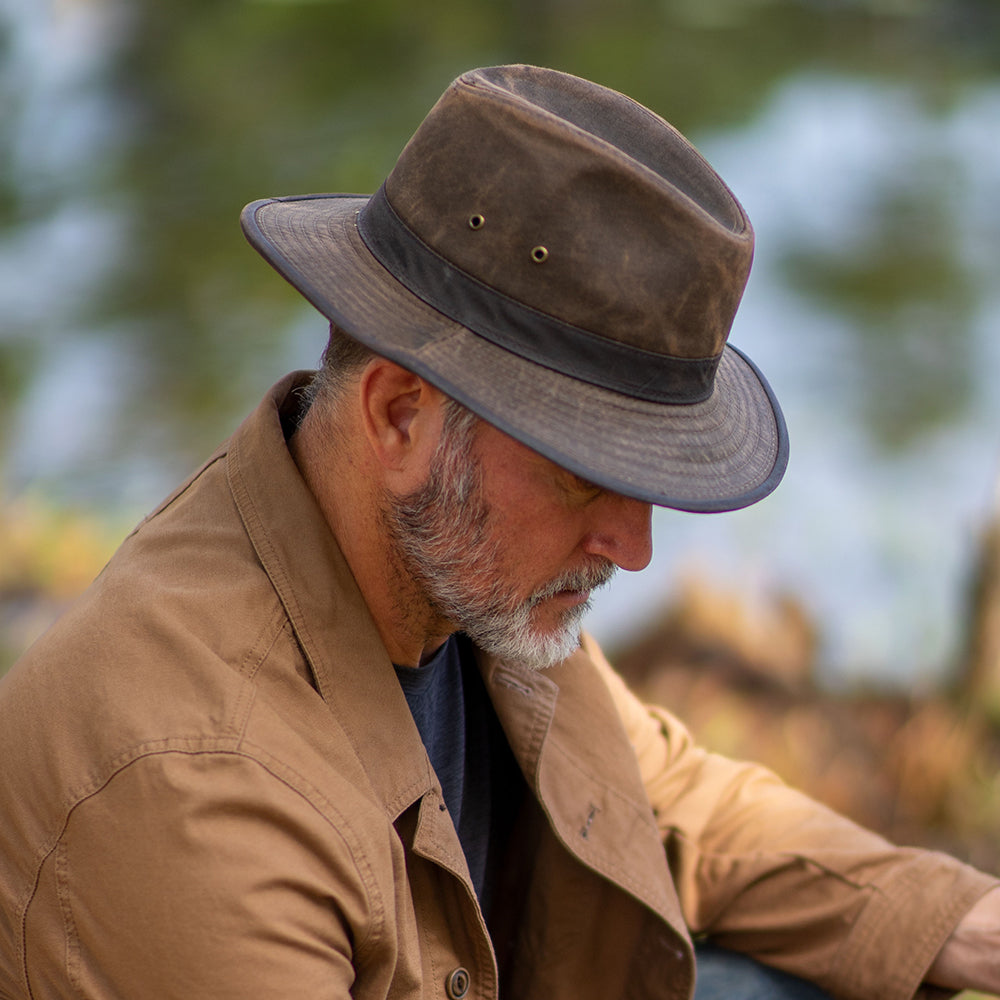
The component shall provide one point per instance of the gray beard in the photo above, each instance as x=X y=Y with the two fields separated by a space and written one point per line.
x=442 y=539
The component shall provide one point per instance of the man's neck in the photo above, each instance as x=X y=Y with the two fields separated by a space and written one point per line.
x=347 y=491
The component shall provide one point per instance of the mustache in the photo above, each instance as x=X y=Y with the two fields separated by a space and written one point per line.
x=588 y=578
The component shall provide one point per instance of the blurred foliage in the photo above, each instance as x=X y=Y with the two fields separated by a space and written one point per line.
x=909 y=300
x=48 y=555
x=195 y=108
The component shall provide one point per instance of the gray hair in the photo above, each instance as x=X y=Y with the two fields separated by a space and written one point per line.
x=342 y=362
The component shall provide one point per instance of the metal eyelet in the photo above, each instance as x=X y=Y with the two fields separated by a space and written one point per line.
x=539 y=255
x=477 y=221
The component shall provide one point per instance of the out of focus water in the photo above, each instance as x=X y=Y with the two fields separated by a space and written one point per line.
x=136 y=327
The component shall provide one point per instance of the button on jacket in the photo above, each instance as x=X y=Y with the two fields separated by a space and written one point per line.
x=211 y=786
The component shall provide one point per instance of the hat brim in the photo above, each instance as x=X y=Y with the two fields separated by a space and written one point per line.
x=724 y=453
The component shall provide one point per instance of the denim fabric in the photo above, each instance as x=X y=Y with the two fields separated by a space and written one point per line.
x=726 y=975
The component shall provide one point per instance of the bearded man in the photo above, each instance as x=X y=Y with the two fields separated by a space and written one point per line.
x=326 y=725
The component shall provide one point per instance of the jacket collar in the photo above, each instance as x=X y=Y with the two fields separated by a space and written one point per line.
x=561 y=723
x=566 y=733
x=350 y=665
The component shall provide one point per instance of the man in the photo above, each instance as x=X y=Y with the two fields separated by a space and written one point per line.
x=324 y=726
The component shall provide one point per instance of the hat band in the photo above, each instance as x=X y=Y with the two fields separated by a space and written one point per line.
x=522 y=330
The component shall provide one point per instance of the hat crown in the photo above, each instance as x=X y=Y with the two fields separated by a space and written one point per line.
x=563 y=262
x=577 y=202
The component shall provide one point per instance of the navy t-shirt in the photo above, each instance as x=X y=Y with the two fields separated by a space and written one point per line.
x=469 y=754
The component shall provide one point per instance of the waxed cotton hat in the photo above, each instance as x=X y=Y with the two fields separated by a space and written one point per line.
x=562 y=261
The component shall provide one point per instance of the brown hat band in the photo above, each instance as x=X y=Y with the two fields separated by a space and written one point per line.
x=522 y=330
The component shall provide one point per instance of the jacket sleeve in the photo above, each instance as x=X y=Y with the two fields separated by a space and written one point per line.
x=194 y=874
x=766 y=870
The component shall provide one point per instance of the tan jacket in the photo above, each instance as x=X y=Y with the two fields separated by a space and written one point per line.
x=212 y=787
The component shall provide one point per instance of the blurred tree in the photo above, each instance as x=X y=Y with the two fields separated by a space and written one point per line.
x=209 y=105
x=909 y=302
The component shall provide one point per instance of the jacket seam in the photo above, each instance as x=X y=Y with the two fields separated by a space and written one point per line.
x=77 y=796
x=166 y=504
x=255 y=657
x=262 y=645
x=69 y=923
x=257 y=531
x=280 y=772
x=312 y=795
x=260 y=539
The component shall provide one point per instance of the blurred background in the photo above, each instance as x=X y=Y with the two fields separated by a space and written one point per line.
x=863 y=136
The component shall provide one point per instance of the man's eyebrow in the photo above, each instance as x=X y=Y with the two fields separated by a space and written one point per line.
x=573 y=483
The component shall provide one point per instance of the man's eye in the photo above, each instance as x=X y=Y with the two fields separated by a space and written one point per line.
x=584 y=488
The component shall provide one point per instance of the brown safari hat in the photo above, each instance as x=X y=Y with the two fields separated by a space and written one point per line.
x=563 y=262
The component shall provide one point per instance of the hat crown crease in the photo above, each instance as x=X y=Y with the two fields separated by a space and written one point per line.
x=632 y=257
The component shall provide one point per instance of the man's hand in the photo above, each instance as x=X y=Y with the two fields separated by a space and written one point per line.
x=970 y=958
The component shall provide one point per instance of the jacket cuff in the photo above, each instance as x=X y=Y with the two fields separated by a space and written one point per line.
x=900 y=929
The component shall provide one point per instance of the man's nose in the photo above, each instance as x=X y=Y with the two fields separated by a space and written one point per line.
x=622 y=531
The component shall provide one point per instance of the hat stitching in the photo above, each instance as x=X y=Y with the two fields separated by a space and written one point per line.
x=517 y=326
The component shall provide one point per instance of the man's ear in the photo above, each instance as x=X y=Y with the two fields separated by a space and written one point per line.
x=402 y=416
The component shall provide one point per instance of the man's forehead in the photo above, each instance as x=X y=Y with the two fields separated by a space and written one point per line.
x=496 y=448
